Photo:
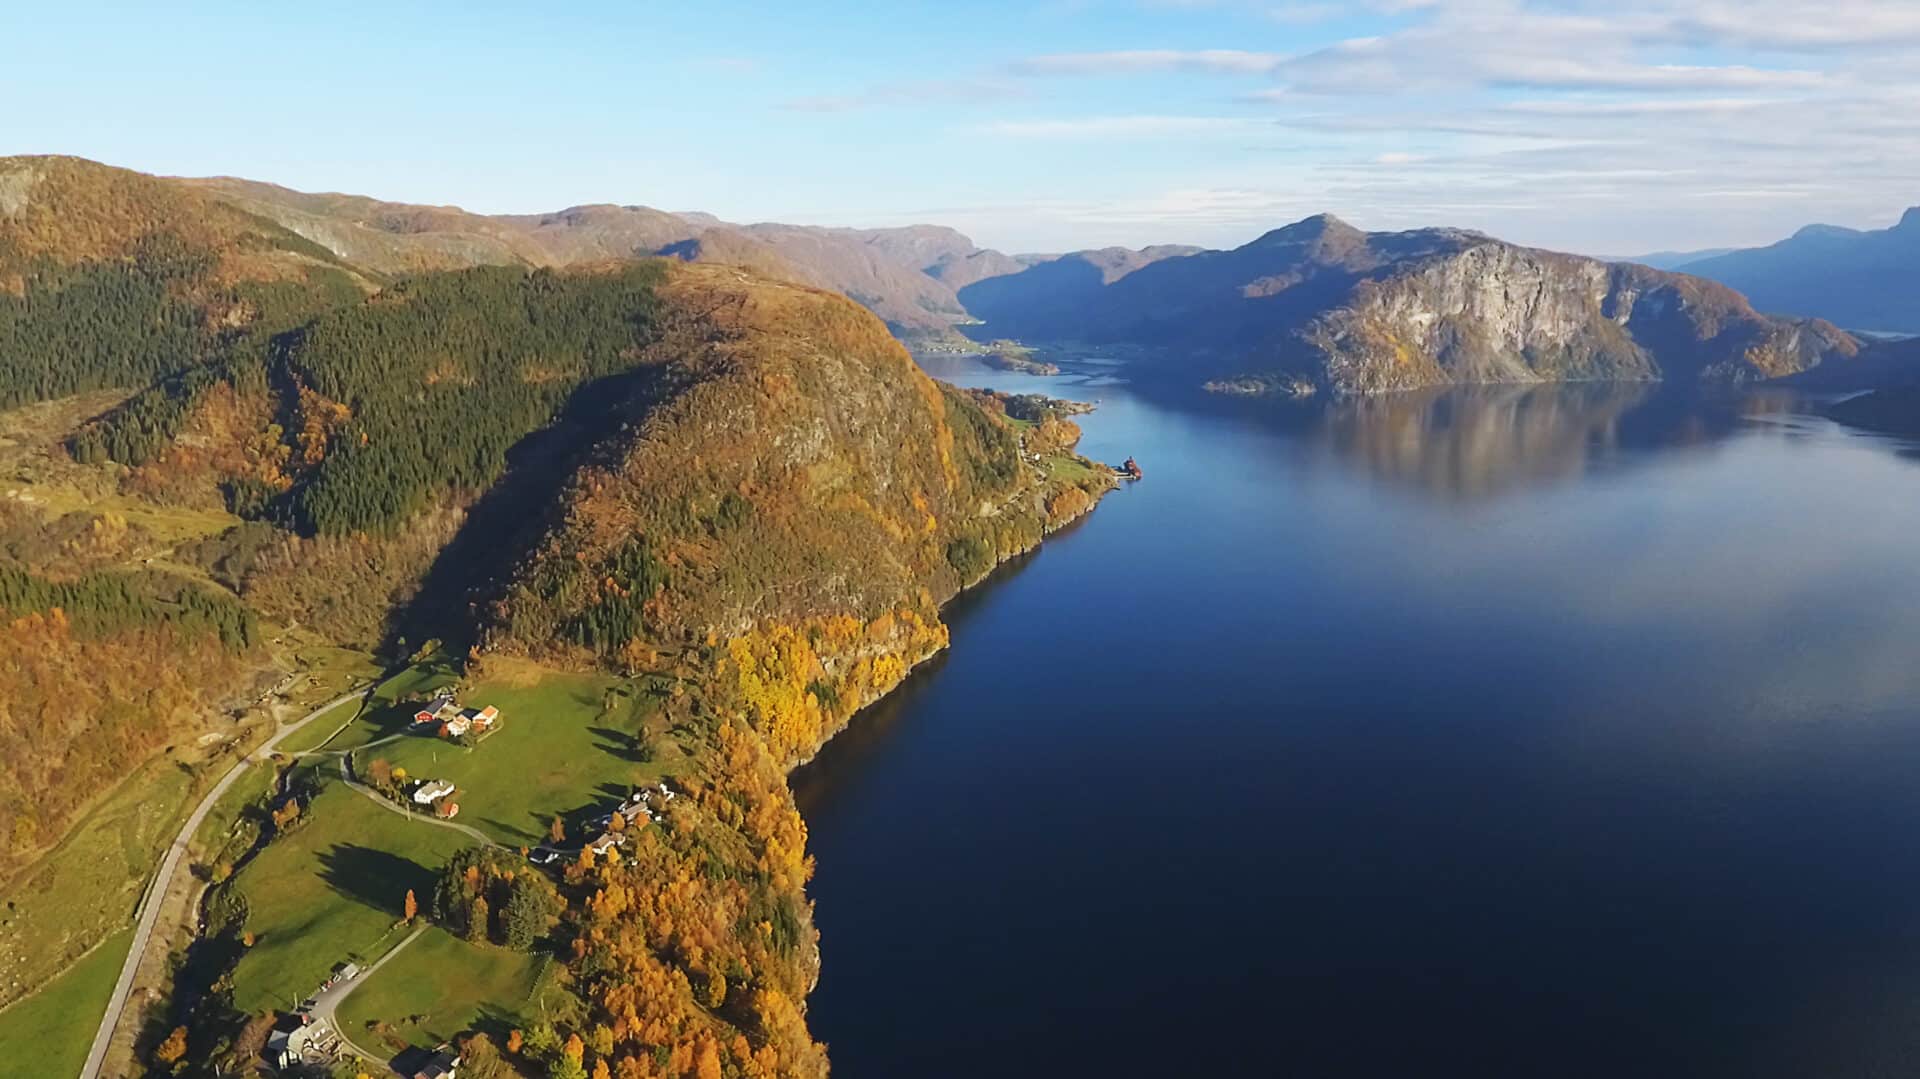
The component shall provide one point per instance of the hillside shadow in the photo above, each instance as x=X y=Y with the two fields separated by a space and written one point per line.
x=373 y=877
x=512 y=512
x=1041 y=301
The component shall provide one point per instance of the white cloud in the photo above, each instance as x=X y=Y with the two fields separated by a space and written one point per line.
x=1612 y=125
x=1653 y=106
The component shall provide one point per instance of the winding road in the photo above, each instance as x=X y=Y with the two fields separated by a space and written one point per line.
x=327 y=1002
x=346 y=776
x=169 y=865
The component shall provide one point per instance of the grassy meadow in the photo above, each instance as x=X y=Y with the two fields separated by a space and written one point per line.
x=567 y=743
x=49 y=1032
x=332 y=891
x=454 y=985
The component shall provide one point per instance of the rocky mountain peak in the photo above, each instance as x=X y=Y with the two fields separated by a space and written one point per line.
x=1307 y=230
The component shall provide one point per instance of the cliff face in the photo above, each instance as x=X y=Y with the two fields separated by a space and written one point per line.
x=1493 y=312
x=1322 y=306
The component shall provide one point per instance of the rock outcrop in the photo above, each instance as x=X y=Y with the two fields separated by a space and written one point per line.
x=1322 y=306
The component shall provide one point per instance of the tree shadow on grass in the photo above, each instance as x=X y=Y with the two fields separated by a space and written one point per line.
x=373 y=877
x=621 y=744
x=497 y=1023
x=527 y=836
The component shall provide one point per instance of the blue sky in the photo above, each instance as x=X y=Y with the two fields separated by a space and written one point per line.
x=1607 y=126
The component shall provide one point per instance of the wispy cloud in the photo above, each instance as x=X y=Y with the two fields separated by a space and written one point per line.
x=1137 y=61
x=916 y=92
x=1121 y=127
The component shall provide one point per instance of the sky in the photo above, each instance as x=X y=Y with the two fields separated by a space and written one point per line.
x=1613 y=127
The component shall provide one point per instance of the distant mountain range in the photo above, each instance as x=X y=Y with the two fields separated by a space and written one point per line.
x=1322 y=306
x=1670 y=260
x=1865 y=280
x=1314 y=306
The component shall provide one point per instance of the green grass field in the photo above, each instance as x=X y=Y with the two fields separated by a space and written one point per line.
x=332 y=891
x=379 y=717
x=457 y=987
x=1065 y=468
x=88 y=886
x=560 y=751
x=49 y=1032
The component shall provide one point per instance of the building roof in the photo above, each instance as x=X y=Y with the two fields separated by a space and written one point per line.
x=430 y=789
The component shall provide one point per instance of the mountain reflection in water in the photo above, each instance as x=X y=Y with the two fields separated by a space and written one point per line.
x=1561 y=730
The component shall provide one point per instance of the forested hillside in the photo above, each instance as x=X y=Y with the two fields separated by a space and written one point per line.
x=738 y=492
x=806 y=494
x=111 y=278
x=96 y=671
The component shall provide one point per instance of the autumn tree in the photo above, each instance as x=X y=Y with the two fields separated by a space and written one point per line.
x=557 y=831
x=410 y=907
x=173 y=1048
x=252 y=1039
x=567 y=1063
x=480 y=1059
x=477 y=917
x=485 y=893
x=380 y=774
x=707 y=1065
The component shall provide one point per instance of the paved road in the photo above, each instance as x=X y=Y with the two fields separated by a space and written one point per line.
x=327 y=1002
x=169 y=865
x=346 y=776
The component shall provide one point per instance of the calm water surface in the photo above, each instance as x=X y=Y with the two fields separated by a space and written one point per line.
x=1550 y=732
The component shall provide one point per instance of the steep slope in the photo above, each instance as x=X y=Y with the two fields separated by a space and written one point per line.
x=1322 y=306
x=1863 y=280
x=793 y=433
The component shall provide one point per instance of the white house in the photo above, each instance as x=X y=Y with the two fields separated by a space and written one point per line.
x=432 y=790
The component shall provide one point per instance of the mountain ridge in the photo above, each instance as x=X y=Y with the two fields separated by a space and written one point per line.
x=1863 y=279
x=1319 y=305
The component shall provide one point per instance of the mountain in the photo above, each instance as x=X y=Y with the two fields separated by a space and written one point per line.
x=260 y=426
x=905 y=275
x=1322 y=306
x=1892 y=410
x=1863 y=280
x=1055 y=296
x=1671 y=260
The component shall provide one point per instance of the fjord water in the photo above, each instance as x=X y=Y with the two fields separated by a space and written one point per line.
x=1503 y=732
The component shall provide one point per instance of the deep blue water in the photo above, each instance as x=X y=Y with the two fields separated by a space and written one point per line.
x=1555 y=732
